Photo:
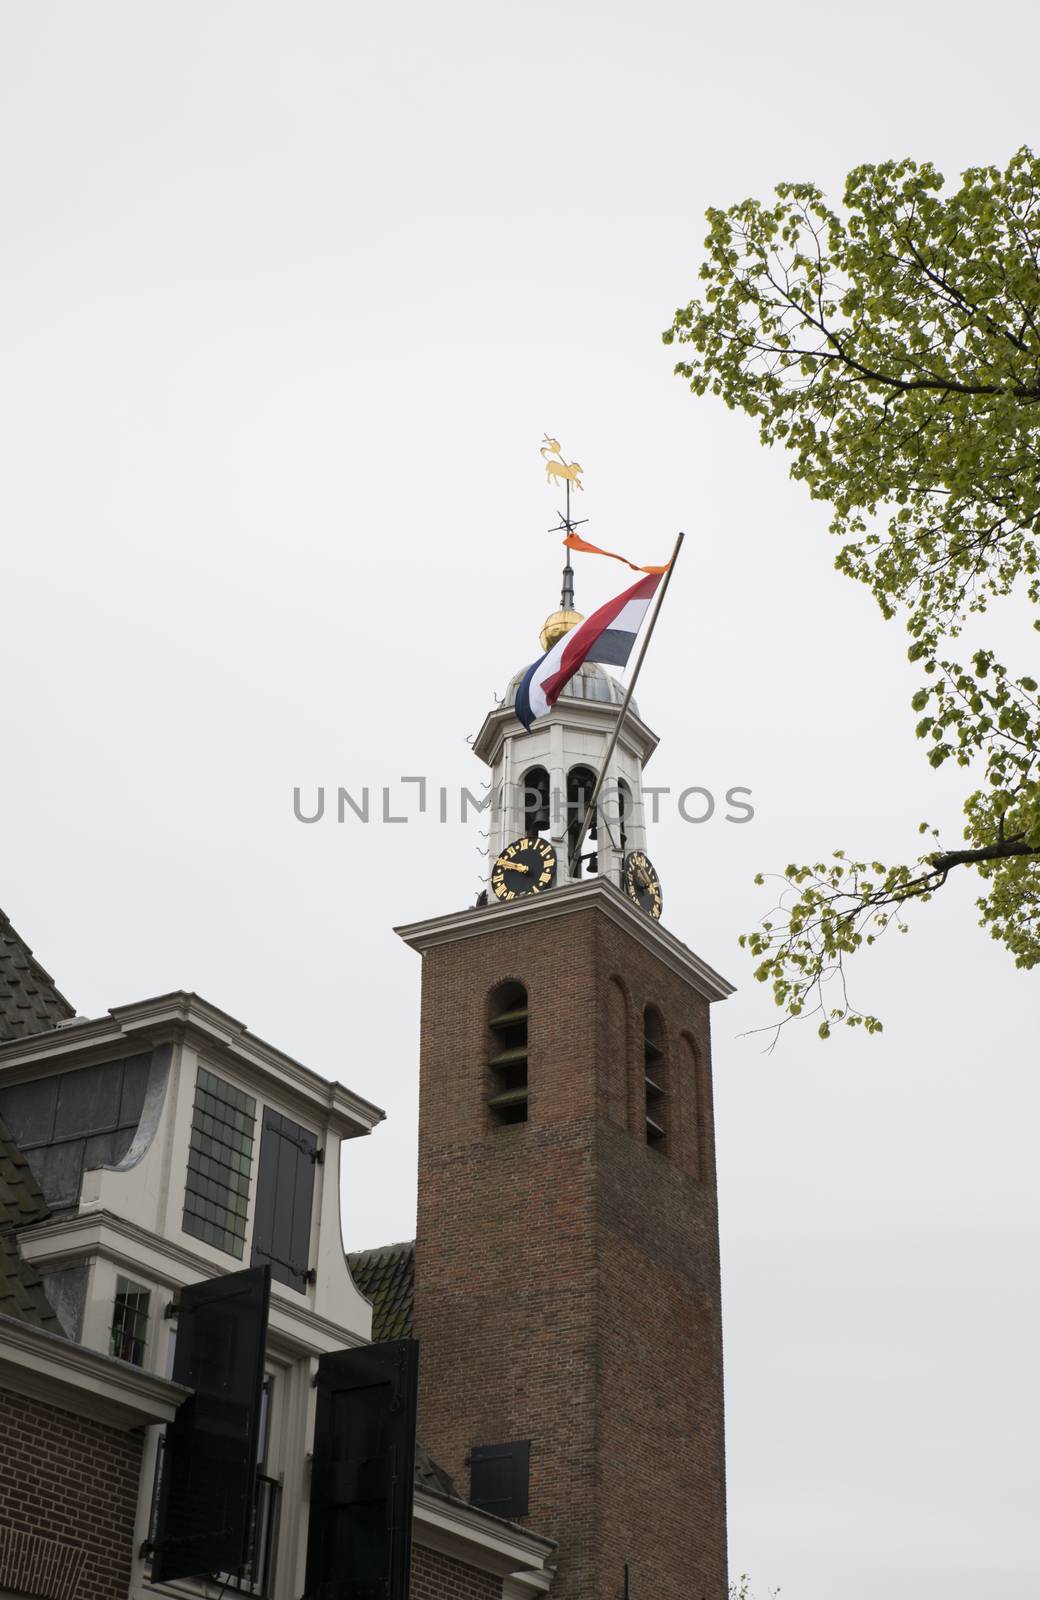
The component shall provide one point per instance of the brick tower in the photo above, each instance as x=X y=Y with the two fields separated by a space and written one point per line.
x=567 y=1255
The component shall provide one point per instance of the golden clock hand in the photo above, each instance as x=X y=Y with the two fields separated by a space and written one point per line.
x=511 y=866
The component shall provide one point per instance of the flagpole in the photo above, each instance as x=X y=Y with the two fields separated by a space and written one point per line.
x=590 y=809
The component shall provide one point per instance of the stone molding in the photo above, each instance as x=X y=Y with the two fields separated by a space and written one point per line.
x=592 y=893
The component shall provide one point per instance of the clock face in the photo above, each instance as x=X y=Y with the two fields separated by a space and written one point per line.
x=527 y=866
x=641 y=883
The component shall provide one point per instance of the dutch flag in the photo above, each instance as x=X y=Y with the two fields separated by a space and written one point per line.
x=607 y=636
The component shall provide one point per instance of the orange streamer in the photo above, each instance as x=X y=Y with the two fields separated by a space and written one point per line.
x=574 y=541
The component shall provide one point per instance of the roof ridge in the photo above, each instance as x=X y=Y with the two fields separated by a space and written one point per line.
x=380 y=1249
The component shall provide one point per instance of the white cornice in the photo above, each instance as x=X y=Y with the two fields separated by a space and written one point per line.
x=181 y=1015
x=84 y=1236
x=591 y=894
x=592 y=714
x=50 y=1368
x=482 y=1541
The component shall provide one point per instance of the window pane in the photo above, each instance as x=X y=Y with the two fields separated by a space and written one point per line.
x=130 y=1321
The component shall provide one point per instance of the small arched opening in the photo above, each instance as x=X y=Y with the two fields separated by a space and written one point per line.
x=535 y=800
x=624 y=812
x=581 y=781
x=507 y=1054
x=655 y=1086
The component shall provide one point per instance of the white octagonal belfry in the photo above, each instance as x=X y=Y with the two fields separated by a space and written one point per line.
x=560 y=753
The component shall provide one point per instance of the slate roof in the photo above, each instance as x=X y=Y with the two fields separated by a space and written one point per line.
x=428 y=1475
x=21 y=1291
x=29 y=1002
x=386 y=1276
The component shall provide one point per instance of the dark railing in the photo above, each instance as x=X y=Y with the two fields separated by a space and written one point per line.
x=256 y=1578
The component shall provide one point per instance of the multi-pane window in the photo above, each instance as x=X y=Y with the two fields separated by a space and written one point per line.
x=220 y=1160
x=130 y=1321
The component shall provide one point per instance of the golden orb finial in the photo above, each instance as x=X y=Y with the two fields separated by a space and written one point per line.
x=555 y=626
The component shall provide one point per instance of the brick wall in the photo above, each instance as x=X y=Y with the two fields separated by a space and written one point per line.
x=567 y=1275
x=439 y=1577
x=68 y=1496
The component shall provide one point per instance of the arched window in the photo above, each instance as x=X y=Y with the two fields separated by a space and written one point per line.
x=654 y=1077
x=535 y=798
x=694 y=1122
x=616 y=1078
x=580 y=783
x=624 y=811
x=507 y=1054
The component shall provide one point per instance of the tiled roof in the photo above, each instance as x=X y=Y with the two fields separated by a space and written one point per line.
x=21 y=1292
x=428 y=1475
x=386 y=1276
x=29 y=1002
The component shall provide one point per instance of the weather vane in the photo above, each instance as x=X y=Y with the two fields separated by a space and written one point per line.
x=566 y=472
x=570 y=471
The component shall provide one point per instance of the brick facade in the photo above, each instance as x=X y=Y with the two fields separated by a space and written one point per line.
x=68 y=1497
x=440 y=1577
x=567 y=1274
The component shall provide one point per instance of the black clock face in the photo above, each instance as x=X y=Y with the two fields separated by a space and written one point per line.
x=527 y=866
x=641 y=883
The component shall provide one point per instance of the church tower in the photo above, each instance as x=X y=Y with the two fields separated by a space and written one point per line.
x=567 y=1254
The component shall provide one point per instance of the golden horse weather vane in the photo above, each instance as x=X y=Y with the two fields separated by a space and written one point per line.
x=567 y=473
x=560 y=471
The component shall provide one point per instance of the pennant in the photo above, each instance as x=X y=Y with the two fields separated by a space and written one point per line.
x=606 y=636
x=574 y=541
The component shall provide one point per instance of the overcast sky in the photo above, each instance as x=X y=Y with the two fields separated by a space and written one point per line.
x=291 y=294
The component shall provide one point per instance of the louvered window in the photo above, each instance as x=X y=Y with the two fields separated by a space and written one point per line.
x=507 y=1057
x=220 y=1160
x=654 y=1083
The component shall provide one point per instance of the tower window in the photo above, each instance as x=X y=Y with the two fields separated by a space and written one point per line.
x=654 y=1064
x=130 y=1321
x=507 y=1060
x=535 y=787
x=624 y=800
x=581 y=781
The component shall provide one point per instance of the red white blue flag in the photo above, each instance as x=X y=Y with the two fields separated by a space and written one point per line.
x=607 y=636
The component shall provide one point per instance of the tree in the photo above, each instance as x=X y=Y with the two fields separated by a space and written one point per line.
x=894 y=350
x=741 y=1590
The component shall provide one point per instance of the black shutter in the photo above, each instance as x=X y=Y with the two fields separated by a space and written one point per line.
x=360 y=1538
x=284 y=1198
x=209 y=1458
x=499 y=1475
